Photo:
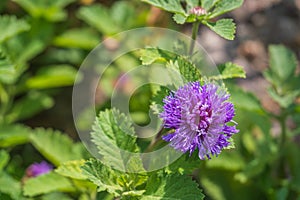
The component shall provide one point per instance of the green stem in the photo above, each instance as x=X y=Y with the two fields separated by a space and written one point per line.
x=194 y=36
x=283 y=132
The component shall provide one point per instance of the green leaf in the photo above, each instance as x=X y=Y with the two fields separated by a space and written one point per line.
x=11 y=135
x=224 y=6
x=179 y=18
x=186 y=164
x=192 y=3
x=230 y=70
x=56 y=195
x=29 y=105
x=8 y=72
x=55 y=146
x=53 y=76
x=231 y=161
x=72 y=169
x=47 y=183
x=50 y=10
x=223 y=27
x=208 y=4
x=188 y=70
x=115 y=139
x=157 y=100
x=10 y=186
x=99 y=17
x=11 y=26
x=283 y=62
x=115 y=182
x=284 y=100
x=4 y=158
x=151 y=54
x=244 y=100
x=173 y=6
x=172 y=187
x=77 y=38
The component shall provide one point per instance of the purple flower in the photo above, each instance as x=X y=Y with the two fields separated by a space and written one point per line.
x=37 y=169
x=199 y=116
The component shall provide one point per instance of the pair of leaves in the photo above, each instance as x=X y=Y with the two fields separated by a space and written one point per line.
x=281 y=75
x=223 y=27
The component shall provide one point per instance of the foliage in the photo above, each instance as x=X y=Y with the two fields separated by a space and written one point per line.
x=41 y=45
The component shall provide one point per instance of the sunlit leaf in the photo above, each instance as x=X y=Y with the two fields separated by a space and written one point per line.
x=77 y=38
x=11 y=26
x=72 y=169
x=47 y=183
x=223 y=27
x=50 y=10
x=172 y=187
x=173 y=6
x=113 y=181
x=224 y=6
x=55 y=146
x=11 y=135
x=53 y=76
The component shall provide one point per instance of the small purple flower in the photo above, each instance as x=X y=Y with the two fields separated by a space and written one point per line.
x=199 y=116
x=37 y=169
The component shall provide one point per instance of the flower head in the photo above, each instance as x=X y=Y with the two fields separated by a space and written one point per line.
x=199 y=116
x=37 y=169
x=198 y=11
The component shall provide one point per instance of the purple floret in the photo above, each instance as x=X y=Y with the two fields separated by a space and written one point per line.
x=199 y=116
x=37 y=169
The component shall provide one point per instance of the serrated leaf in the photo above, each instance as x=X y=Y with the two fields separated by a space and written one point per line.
x=29 y=105
x=99 y=17
x=55 y=146
x=53 y=76
x=283 y=62
x=50 y=10
x=230 y=70
x=11 y=135
x=208 y=4
x=223 y=27
x=151 y=54
x=188 y=70
x=8 y=72
x=172 y=187
x=72 y=169
x=47 y=183
x=113 y=181
x=157 y=100
x=77 y=38
x=11 y=26
x=179 y=18
x=173 y=6
x=4 y=158
x=224 y=6
x=10 y=186
x=115 y=139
